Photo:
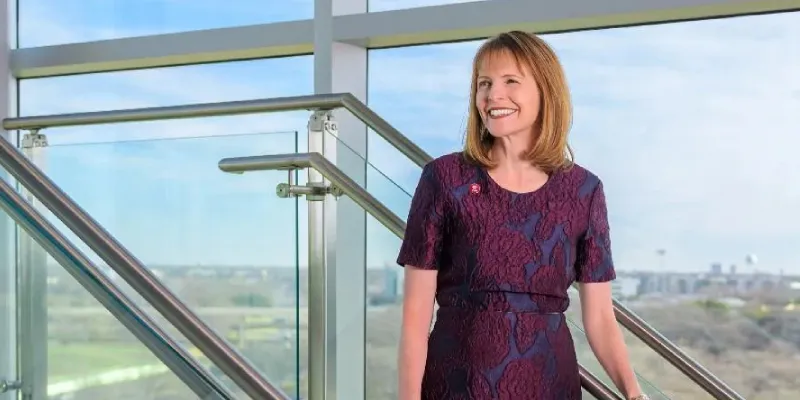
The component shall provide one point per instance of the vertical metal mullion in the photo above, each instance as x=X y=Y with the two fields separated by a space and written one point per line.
x=9 y=303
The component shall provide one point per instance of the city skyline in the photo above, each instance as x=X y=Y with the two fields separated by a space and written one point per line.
x=688 y=124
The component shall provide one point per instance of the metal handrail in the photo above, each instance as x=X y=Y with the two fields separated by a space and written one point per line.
x=310 y=102
x=595 y=386
x=373 y=206
x=627 y=318
x=221 y=353
x=328 y=170
x=88 y=275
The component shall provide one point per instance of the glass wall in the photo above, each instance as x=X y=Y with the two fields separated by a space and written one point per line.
x=223 y=243
x=691 y=127
x=45 y=22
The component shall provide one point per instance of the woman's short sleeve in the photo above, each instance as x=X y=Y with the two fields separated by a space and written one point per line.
x=422 y=242
x=594 y=262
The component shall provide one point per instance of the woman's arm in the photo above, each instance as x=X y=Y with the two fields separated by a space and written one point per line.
x=419 y=293
x=419 y=254
x=594 y=269
x=605 y=337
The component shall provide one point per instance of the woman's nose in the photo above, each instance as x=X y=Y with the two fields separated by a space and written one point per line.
x=496 y=93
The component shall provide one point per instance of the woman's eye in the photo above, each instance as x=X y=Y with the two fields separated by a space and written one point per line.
x=483 y=83
x=511 y=81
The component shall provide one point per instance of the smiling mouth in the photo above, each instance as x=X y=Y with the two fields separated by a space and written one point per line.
x=496 y=113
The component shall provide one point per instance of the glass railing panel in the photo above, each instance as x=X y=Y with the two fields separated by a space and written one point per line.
x=91 y=356
x=8 y=296
x=589 y=361
x=384 y=311
x=71 y=347
x=385 y=279
x=663 y=379
x=386 y=160
x=223 y=243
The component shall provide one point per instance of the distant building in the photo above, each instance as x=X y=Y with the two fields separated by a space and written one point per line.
x=625 y=287
x=391 y=283
x=716 y=269
x=691 y=283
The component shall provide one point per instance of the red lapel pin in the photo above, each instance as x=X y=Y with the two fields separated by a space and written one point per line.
x=474 y=188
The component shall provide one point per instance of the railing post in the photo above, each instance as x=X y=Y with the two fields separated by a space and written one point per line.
x=321 y=268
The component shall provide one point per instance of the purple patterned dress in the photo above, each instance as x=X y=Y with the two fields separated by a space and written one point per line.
x=505 y=261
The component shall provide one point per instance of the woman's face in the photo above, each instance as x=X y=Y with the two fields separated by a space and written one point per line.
x=507 y=97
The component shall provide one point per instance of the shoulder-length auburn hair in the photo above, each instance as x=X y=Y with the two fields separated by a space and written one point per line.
x=550 y=150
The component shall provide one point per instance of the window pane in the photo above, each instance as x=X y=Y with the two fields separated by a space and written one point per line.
x=87 y=352
x=46 y=22
x=386 y=5
x=225 y=244
x=215 y=245
x=691 y=126
x=159 y=87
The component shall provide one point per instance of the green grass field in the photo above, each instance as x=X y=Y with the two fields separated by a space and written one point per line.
x=79 y=359
x=70 y=361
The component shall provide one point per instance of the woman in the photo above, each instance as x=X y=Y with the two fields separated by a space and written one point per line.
x=496 y=235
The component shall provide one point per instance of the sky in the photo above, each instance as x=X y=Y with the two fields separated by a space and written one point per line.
x=691 y=126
